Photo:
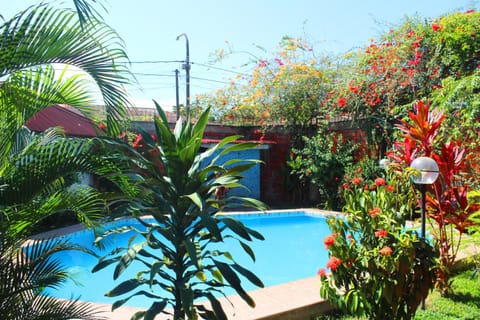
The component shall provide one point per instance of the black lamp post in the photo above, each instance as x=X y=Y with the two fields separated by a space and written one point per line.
x=426 y=173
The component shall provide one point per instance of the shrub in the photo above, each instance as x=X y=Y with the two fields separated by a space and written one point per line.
x=379 y=269
x=323 y=162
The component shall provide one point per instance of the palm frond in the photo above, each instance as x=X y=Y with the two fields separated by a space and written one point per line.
x=80 y=201
x=25 y=271
x=85 y=11
x=44 y=35
x=30 y=90
x=40 y=164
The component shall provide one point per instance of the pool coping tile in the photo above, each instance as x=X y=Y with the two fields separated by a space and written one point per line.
x=292 y=300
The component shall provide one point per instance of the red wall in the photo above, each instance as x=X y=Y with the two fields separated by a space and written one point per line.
x=275 y=146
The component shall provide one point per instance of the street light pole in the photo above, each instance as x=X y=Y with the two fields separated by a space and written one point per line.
x=186 y=66
x=177 y=99
x=423 y=190
x=426 y=174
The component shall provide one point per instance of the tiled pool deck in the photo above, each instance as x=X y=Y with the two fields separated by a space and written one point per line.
x=293 y=300
x=289 y=301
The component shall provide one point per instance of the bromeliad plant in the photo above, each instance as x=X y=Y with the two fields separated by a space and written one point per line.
x=180 y=252
x=379 y=269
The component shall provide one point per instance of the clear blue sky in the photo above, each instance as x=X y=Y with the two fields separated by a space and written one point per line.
x=150 y=27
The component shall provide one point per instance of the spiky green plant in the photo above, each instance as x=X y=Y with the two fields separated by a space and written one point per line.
x=181 y=248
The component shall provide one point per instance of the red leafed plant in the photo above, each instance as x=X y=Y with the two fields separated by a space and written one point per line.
x=423 y=129
x=447 y=205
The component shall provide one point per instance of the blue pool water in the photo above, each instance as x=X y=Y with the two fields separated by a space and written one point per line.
x=293 y=249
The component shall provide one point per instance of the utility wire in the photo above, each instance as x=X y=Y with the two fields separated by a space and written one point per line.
x=210 y=80
x=217 y=68
x=191 y=62
x=153 y=74
x=156 y=61
x=172 y=75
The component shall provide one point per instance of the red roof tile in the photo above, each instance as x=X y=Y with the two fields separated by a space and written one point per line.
x=70 y=119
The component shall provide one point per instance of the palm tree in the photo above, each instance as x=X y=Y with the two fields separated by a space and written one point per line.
x=36 y=170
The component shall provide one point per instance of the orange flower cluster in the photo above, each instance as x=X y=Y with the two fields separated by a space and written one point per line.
x=386 y=251
x=333 y=263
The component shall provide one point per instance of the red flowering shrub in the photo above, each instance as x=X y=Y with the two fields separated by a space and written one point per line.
x=321 y=272
x=383 y=269
x=390 y=188
x=386 y=251
x=379 y=182
x=356 y=181
x=374 y=212
x=334 y=263
x=381 y=233
x=329 y=240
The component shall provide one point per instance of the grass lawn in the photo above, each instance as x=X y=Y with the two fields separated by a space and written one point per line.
x=464 y=303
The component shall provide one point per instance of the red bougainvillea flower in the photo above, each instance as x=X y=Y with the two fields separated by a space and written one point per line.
x=329 y=240
x=374 y=212
x=342 y=102
x=322 y=272
x=334 y=263
x=137 y=141
x=390 y=188
x=386 y=251
x=279 y=61
x=346 y=186
x=102 y=126
x=356 y=181
x=379 y=182
x=353 y=89
x=436 y=26
x=381 y=233
x=262 y=63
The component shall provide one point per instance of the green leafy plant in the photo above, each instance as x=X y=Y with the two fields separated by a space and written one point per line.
x=379 y=268
x=180 y=249
x=323 y=162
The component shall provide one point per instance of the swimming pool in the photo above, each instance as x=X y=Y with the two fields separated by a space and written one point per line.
x=293 y=249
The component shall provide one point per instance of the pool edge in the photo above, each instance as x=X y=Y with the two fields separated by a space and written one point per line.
x=292 y=300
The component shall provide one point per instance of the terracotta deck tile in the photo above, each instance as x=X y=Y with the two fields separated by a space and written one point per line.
x=294 y=300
